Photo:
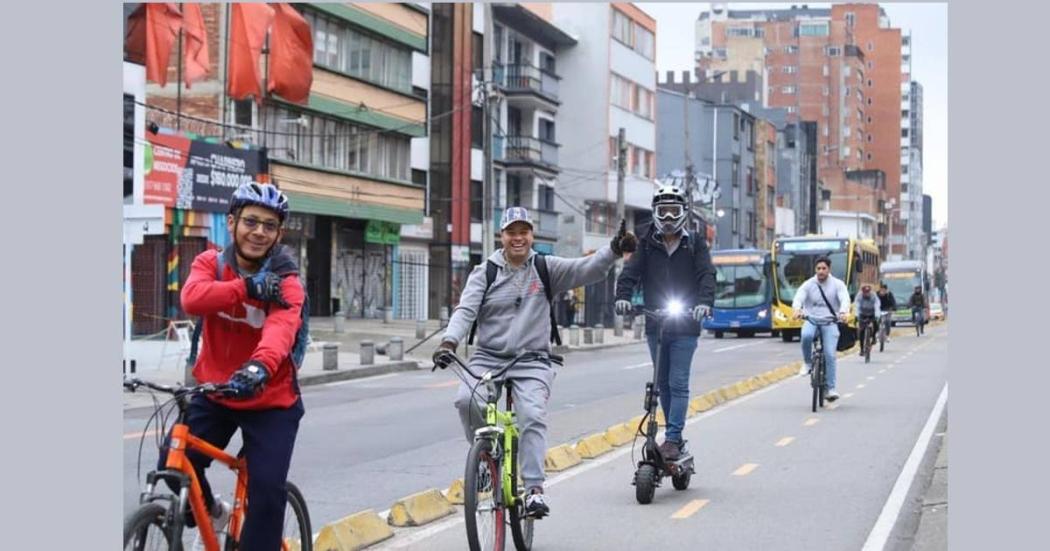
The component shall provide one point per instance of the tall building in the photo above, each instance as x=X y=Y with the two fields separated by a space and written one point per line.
x=838 y=67
x=351 y=158
x=612 y=68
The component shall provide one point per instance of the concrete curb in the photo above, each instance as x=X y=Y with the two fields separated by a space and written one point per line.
x=593 y=446
x=357 y=372
x=454 y=494
x=419 y=509
x=620 y=434
x=354 y=532
x=560 y=458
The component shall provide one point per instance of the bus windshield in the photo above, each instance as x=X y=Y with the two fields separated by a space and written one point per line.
x=740 y=286
x=793 y=269
x=902 y=284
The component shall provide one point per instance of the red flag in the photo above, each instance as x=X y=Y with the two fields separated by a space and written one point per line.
x=135 y=36
x=163 y=22
x=195 y=48
x=248 y=26
x=291 y=55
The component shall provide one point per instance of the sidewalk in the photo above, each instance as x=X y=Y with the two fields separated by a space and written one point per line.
x=932 y=534
x=164 y=362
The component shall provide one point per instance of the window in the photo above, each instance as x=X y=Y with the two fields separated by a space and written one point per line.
x=790 y=69
x=824 y=110
x=851 y=19
x=477 y=127
x=869 y=156
x=641 y=162
x=904 y=113
x=599 y=218
x=477 y=51
x=871 y=65
x=791 y=49
x=904 y=169
x=633 y=35
x=750 y=181
x=621 y=92
x=792 y=109
x=845 y=131
x=869 y=120
x=621 y=27
x=871 y=46
x=825 y=91
x=643 y=102
x=475 y=201
x=339 y=145
x=646 y=42
x=750 y=226
x=243 y=112
x=547 y=63
x=736 y=126
x=546 y=197
x=819 y=28
x=825 y=71
x=870 y=137
x=788 y=89
x=513 y=190
x=347 y=50
x=736 y=171
x=825 y=127
x=869 y=83
x=869 y=101
x=904 y=187
x=736 y=221
x=547 y=130
x=833 y=51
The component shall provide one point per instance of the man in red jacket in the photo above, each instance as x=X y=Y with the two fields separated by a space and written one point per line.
x=251 y=316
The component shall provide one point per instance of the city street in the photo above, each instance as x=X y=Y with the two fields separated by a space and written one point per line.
x=770 y=474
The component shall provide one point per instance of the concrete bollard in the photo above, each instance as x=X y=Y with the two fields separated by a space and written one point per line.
x=574 y=335
x=331 y=356
x=421 y=329
x=388 y=315
x=599 y=334
x=368 y=353
x=618 y=325
x=588 y=335
x=638 y=330
x=443 y=316
x=396 y=349
x=340 y=322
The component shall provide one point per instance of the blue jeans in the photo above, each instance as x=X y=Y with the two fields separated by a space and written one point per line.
x=676 y=358
x=829 y=334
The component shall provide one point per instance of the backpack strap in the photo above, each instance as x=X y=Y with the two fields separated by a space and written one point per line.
x=490 y=275
x=220 y=265
x=545 y=277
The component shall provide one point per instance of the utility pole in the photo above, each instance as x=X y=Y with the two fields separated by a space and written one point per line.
x=487 y=85
x=621 y=168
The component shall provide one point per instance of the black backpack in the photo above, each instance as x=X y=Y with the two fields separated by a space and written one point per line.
x=302 y=336
x=491 y=269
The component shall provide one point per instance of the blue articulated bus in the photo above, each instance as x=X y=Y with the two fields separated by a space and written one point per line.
x=743 y=293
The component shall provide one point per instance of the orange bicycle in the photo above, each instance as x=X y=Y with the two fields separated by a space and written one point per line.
x=159 y=521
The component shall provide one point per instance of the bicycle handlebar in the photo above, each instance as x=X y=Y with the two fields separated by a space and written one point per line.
x=494 y=374
x=206 y=388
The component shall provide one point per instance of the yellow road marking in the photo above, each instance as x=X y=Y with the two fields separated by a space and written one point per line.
x=745 y=469
x=784 y=441
x=811 y=421
x=690 y=508
x=445 y=384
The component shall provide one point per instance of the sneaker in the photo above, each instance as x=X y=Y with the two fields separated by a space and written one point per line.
x=671 y=450
x=536 y=504
x=831 y=395
x=805 y=369
x=220 y=518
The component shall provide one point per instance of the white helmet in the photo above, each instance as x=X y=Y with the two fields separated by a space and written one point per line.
x=669 y=209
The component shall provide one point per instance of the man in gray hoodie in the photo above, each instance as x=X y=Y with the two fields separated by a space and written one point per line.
x=813 y=299
x=513 y=318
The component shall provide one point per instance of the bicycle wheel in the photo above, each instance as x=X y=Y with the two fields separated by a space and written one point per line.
x=521 y=525
x=482 y=507
x=814 y=381
x=297 y=534
x=822 y=387
x=145 y=529
x=867 y=344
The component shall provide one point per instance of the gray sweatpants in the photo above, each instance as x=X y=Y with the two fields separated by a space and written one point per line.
x=530 y=387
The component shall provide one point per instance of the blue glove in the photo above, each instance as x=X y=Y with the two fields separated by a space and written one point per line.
x=265 y=286
x=248 y=380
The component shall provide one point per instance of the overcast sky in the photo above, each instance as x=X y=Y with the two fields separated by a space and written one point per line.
x=928 y=24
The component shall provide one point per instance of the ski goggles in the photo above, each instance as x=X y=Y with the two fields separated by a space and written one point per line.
x=668 y=212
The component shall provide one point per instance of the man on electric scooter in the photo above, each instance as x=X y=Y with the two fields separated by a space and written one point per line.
x=671 y=265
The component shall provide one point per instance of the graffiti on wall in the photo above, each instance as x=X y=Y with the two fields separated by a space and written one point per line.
x=361 y=282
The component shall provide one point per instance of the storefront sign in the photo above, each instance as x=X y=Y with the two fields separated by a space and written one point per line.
x=197 y=175
x=383 y=233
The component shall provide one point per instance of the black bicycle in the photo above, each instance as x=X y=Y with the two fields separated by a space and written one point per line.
x=818 y=375
x=867 y=332
x=884 y=330
x=919 y=320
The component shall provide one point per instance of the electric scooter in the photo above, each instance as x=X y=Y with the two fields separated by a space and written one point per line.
x=653 y=467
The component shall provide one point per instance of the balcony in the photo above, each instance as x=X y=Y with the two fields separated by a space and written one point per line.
x=528 y=84
x=526 y=150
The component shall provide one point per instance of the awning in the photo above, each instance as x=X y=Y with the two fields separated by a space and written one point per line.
x=315 y=204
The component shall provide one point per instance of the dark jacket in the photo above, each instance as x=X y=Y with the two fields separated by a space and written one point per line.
x=687 y=276
x=889 y=302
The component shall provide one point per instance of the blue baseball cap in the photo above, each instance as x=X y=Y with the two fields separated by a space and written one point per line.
x=515 y=214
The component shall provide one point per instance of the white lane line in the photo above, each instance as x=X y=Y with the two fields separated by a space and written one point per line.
x=415 y=536
x=735 y=346
x=636 y=366
x=880 y=533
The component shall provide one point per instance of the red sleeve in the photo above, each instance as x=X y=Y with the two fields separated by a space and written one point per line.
x=203 y=294
x=281 y=325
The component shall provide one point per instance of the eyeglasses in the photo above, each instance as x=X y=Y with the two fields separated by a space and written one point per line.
x=269 y=226
x=668 y=212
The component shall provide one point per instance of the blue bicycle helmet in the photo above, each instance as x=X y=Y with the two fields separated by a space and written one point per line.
x=263 y=195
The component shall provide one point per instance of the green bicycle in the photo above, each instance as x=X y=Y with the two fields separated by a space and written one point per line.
x=492 y=494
